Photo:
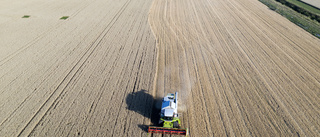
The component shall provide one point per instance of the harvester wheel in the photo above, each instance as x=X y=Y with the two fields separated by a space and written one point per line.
x=176 y=124
x=160 y=123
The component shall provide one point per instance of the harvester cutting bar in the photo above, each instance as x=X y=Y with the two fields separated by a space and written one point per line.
x=171 y=131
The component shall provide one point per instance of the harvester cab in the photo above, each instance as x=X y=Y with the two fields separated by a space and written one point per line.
x=169 y=117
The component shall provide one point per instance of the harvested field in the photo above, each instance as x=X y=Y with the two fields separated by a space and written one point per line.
x=240 y=68
x=72 y=77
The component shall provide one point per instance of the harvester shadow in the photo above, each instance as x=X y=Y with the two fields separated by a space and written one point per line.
x=143 y=127
x=146 y=105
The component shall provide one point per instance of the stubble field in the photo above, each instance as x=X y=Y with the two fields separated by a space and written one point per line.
x=240 y=68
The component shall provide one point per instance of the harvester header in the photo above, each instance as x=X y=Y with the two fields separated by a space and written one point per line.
x=171 y=131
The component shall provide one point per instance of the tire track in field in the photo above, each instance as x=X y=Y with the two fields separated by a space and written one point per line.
x=247 y=58
x=26 y=49
x=75 y=126
x=52 y=99
x=258 y=86
x=10 y=116
x=300 y=62
x=301 y=97
x=38 y=38
x=39 y=90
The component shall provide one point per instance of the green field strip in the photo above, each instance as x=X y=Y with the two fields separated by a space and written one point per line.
x=64 y=17
x=305 y=6
x=26 y=16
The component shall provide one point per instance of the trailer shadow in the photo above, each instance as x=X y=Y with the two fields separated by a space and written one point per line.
x=146 y=105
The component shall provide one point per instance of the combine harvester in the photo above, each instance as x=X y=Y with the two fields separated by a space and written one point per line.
x=169 y=118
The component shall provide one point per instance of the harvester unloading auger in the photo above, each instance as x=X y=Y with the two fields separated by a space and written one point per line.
x=169 y=117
